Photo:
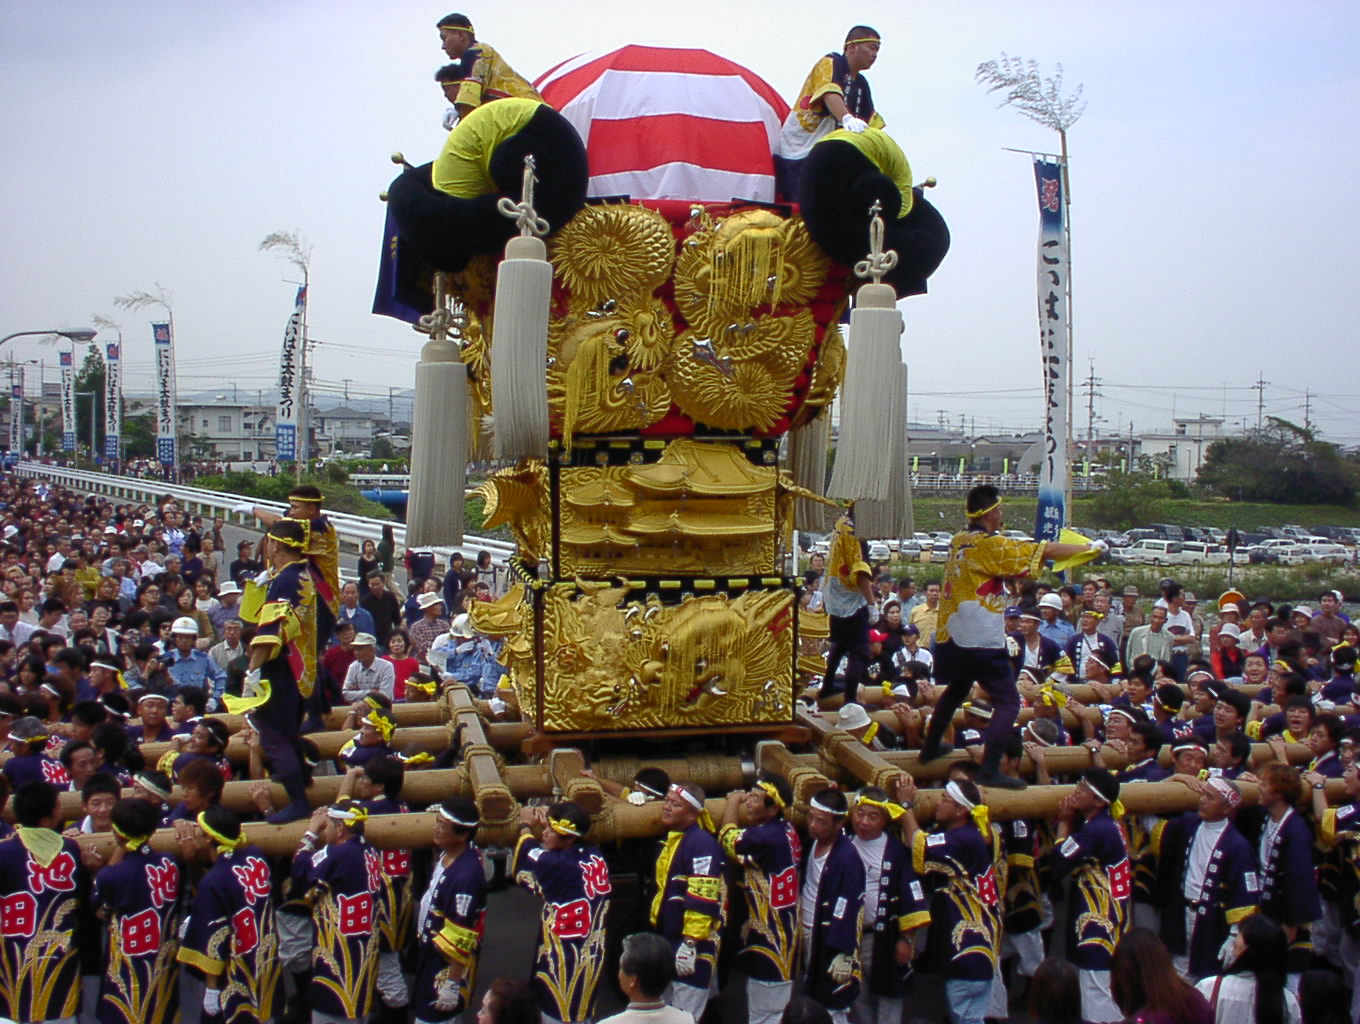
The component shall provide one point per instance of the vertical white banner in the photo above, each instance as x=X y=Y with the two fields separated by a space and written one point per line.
x=68 y=402
x=286 y=416
x=113 y=399
x=1051 y=515
x=165 y=393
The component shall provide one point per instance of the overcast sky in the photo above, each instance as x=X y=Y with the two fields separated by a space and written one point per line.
x=1214 y=210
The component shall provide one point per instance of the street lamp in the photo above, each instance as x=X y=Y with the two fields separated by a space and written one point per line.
x=82 y=334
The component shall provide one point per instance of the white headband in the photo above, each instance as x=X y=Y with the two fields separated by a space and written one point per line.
x=151 y=787
x=456 y=820
x=952 y=788
x=817 y=805
x=688 y=797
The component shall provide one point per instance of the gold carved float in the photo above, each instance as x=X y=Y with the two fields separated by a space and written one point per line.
x=651 y=534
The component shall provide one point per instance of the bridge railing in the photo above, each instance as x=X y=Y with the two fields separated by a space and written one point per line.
x=349 y=529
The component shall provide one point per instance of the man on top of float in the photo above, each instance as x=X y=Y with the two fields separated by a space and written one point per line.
x=485 y=76
x=835 y=95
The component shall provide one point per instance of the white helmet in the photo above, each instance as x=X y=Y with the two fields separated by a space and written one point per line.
x=184 y=624
x=1051 y=601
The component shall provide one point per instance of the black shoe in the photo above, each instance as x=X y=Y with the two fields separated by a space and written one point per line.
x=930 y=751
x=995 y=780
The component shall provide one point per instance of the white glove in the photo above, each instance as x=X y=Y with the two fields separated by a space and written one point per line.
x=450 y=118
x=686 y=958
x=446 y=996
x=263 y=578
x=842 y=968
x=212 y=1001
x=498 y=707
x=1012 y=647
x=251 y=685
x=244 y=506
x=1100 y=545
x=853 y=124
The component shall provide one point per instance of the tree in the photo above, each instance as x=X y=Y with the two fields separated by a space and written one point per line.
x=90 y=377
x=1130 y=498
x=1282 y=463
x=139 y=436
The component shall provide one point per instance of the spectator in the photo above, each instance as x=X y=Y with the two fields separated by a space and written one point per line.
x=1146 y=987
x=1252 y=988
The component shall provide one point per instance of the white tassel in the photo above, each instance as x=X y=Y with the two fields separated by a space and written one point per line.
x=906 y=514
x=879 y=520
x=439 y=439
x=807 y=466
x=872 y=381
x=519 y=350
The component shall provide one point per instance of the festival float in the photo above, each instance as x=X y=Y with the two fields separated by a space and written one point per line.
x=648 y=336
x=655 y=342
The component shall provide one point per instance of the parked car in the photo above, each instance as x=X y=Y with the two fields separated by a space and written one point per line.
x=1318 y=550
x=1282 y=551
x=1168 y=530
x=1150 y=551
x=878 y=551
x=1196 y=552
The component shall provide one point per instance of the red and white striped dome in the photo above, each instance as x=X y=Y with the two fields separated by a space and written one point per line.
x=668 y=123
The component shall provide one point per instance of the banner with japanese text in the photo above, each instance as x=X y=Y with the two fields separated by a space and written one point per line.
x=1053 y=269
x=68 y=402
x=113 y=399
x=16 y=418
x=165 y=393
x=286 y=416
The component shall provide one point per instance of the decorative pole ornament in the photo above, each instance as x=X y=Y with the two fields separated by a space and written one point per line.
x=879 y=262
x=519 y=334
x=522 y=213
x=873 y=377
x=439 y=435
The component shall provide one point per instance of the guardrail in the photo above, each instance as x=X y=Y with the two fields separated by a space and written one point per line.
x=350 y=529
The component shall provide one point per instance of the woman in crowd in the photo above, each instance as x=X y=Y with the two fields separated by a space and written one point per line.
x=368 y=560
x=1252 y=989
x=1146 y=987
x=399 y=654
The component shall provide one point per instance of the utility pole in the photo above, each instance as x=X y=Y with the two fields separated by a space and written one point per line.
x=1092 y=387
x=1307 y=410
x=1260 y=388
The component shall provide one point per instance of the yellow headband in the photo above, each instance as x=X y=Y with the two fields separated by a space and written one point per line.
x=223 y=843
x=382 y=723
x=416 y=760
x=563 y=827
x=287 y=542
x=373 y=701
x=349 y=814
x=863 y=39
x=979 y=514
x=429 y=687
x=461 y=28
x=133 y=843
x=1049 y=694
x=893 y=811
x=772 y=792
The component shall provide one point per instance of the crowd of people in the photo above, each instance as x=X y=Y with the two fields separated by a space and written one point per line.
x=131 y=647
x=1084 y=912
